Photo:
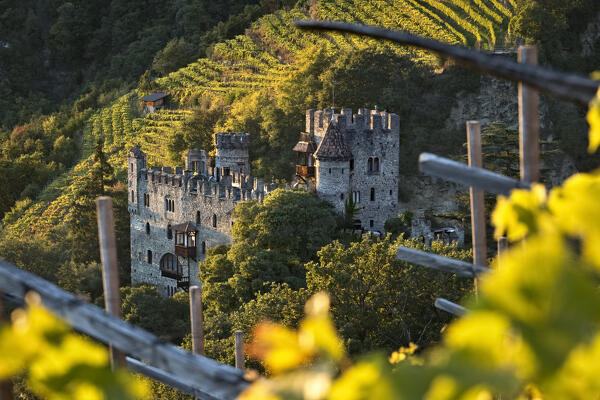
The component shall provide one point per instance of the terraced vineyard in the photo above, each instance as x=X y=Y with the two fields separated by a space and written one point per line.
x=260 y=59
x=266 y=53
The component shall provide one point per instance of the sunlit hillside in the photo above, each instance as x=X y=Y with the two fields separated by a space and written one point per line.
x=257 y=60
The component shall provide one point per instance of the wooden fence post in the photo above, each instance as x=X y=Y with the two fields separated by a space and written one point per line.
x=239 y=349
x=529 y=122
x=197 y=320
x=110 y=269
x=477 y=201
x=6 y=392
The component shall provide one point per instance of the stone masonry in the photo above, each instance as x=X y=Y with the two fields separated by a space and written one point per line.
x=162 y=198
x=357 y=155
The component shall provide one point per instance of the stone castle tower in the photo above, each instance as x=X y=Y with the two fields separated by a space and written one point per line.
x=353 y=155
x=176 y=216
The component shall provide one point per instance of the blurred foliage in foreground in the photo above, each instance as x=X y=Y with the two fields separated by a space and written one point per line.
x=534 y=333
x=60 y=364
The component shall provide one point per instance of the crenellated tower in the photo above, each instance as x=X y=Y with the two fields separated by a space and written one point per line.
x=232 y=152
x=362 y=152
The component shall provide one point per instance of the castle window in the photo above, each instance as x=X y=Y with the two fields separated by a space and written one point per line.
x=376 y=166
x=372 y=194
x=370 y=165
x=203 y=247
x=356 y=197
x=371 y=223
x=352 y=164
x=329 y=170
x=147 y=199
x=147 y=228
x=197 y=217
x=169 y=232
x=214 y=220
x=391 y=192
x=132 y=197
x=131 y=167
x=170 y=205
x=342 y=170
x=149 y=256
x=341 y=196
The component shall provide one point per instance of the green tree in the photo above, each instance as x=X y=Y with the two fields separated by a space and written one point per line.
x=176 y=54
x=271 y=242
x=166 y=317
x=379 y=302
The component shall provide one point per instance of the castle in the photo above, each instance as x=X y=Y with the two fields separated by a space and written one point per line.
x=353 y=155
x=176 y=217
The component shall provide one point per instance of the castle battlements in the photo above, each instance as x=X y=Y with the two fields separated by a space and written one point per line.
x=232 y=140
x=367 y=121
x=216 y=182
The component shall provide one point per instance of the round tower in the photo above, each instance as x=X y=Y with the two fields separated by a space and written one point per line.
x=232 y=152
x=332 y=167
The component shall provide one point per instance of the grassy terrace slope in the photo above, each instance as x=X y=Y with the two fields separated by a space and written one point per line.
x=259 y=59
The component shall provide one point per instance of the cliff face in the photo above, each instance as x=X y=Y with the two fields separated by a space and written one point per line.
x=496 y=100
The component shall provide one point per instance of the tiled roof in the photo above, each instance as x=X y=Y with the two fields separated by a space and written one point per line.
x=333 y=147
x=305 y=144
x=154 y=96
x=186 y=227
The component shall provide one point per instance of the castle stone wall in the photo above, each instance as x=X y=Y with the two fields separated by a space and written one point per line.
x=370 y=134
x=207 y=199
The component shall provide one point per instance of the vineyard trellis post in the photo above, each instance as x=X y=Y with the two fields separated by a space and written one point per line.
x=529 y=122
x=477 y=199
x=197 y=320
x=110 y=268
x=239 y=349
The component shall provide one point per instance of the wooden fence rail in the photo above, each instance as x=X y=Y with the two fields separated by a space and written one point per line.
x=440 y=263
x=217 y=380
x=450 y=307
x=571 y=87
x=460 y=173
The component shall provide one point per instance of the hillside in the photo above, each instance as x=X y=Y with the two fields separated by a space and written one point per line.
x=270 y=54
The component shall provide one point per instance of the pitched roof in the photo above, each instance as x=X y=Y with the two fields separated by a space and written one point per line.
x=333 y=147
x=305 y=144
x=186 y=227
x=154 y=96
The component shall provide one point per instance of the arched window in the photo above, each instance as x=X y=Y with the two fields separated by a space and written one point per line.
x=132 y=197
x=149 y=256
x=372 y=194
x=351 y=164
x=170 y=266
x=341 y=196
x=197 y=217
x=371 y=223
x=356 y=197
x=330 y=170
x=203 y=247
x=147 y=228
x=376 y=167
x=370 y=162
x=131 y=167
x=169 y=232
x=214 y=221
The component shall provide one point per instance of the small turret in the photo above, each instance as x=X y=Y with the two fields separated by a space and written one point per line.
x=137 y=162
x=232 y=152
x=196 y=161
x=333 y=167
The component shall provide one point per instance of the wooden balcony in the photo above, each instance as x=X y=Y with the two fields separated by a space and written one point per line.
x=305 y=171
x=186 y=252
x=176 y=273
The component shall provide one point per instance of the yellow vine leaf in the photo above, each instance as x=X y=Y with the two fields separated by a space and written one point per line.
x=517 y=215
x=593 y=119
